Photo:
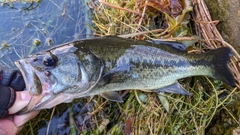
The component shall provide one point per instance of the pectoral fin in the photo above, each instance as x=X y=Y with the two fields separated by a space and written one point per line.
x=175 y=88
x=116 y=74
x=112 y=96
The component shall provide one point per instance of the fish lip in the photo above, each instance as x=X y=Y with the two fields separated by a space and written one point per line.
x=28 y=73
x=38 y=91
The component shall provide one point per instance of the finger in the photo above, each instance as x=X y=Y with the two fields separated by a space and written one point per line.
x=8 y=127
x=20 y=120
x=22 y=99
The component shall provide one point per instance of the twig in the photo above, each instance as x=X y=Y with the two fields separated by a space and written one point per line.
x=49 y=123
x=117 y=7
x=139 y=33
x=210 y=34
x=143 y=13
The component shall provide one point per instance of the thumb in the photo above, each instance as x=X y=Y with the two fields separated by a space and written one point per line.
x=22 y=99
x=19 y=120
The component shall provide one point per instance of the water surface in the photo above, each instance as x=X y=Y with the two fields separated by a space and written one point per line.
x=26 y=28
x=51 y=22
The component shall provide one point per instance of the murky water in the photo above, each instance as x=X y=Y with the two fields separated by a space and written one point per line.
x=51 y=22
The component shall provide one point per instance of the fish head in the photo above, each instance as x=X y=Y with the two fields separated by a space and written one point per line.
x=54 y=76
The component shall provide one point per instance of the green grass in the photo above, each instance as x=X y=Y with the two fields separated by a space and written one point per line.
x=141 y=111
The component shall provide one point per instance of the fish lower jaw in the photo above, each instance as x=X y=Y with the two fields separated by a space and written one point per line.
x=55 y=100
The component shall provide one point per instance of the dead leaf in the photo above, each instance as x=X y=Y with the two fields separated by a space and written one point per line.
x=128 y=126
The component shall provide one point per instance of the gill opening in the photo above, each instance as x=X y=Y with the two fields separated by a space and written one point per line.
x=87 y=89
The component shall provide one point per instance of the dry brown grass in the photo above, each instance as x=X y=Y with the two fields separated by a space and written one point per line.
x=143 y=113
x=187 y=115
x=206 y=28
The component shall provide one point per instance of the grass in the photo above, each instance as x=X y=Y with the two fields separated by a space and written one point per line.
x=187 y=115
x=141 y=112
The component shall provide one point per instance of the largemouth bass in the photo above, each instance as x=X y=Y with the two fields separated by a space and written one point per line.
x=102 y=66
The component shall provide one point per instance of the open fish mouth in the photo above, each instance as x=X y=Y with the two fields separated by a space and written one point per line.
x=38 y=84
x=33 y=83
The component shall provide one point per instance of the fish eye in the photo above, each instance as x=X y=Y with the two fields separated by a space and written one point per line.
x=50 y=60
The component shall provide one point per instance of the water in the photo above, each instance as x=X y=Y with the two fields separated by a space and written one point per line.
x=51 y=22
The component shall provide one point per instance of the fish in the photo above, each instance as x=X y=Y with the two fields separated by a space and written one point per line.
x=105 y=65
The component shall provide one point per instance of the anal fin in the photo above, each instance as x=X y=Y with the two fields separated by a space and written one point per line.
x=112 y=96
x=175 y=88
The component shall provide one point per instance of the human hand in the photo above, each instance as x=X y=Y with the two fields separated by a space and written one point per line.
x=12 y=100
x=13 y=123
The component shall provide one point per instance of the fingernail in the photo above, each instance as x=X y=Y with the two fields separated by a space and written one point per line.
x=18 y=122
x=25 y=96
x=2 y=132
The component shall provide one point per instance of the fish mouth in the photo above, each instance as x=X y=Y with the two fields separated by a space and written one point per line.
x=38 y=84
x=33 y=84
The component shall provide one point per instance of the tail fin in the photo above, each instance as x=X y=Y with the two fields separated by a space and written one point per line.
x=220 y=62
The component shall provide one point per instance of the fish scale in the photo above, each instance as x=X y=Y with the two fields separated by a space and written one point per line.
x=102 y=66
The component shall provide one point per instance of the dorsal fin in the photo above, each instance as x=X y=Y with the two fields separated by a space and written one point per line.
x=176 y=46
